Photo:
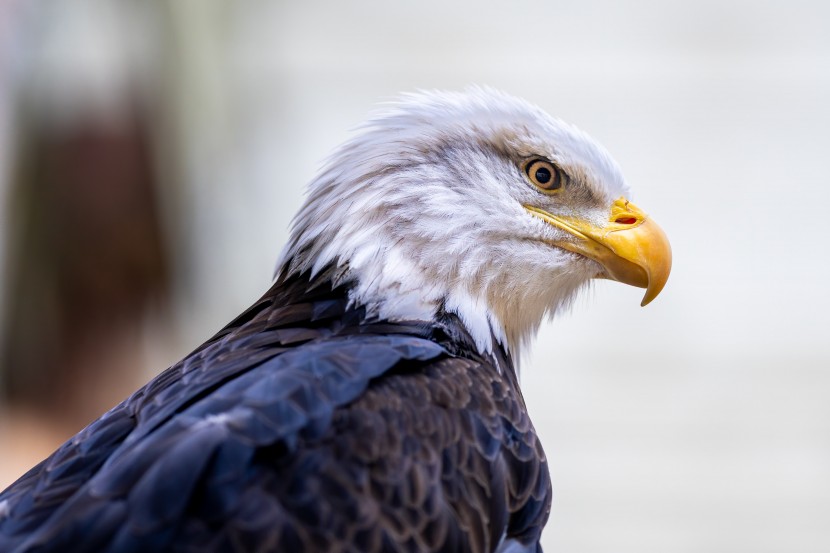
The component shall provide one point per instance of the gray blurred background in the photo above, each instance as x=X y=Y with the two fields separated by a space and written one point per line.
x=152 y=154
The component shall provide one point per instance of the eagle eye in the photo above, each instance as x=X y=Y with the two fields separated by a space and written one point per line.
x=544 y=174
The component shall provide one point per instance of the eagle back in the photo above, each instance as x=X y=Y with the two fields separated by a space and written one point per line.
x=301 y=426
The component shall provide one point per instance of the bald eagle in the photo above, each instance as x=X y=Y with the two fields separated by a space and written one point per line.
x=369 y=401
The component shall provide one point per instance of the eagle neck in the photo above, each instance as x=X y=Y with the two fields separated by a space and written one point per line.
x=417 y=297
x=459 y=322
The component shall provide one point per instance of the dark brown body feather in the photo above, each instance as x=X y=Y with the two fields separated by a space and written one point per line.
x=301 y=426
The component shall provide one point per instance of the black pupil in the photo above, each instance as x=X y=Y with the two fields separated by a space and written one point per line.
x=543 y=175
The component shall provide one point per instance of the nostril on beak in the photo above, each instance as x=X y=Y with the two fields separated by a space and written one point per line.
x=626 y=220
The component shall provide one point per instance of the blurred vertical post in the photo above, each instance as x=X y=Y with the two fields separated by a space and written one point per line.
x=85 y=249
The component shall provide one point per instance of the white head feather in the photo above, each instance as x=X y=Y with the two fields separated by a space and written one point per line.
x=423 y=210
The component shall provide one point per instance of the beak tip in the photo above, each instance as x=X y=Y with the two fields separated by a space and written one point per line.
x=655 y=286
x=647 y=299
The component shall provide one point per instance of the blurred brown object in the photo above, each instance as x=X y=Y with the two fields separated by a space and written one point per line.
x=86 y=254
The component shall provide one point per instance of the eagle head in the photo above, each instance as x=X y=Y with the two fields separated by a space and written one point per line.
x=475 y=203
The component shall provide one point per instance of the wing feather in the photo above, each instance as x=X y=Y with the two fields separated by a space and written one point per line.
x=294 y=429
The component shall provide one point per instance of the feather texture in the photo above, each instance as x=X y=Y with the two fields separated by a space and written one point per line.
x=302 y=426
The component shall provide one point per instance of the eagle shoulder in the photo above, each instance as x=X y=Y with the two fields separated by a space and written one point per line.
x=300 y=426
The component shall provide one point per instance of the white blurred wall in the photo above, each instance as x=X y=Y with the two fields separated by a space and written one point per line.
x=700 y=423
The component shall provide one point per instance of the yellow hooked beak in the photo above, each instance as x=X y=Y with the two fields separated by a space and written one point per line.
x=630 y=247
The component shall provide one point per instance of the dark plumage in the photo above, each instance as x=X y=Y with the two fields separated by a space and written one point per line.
x=331 y=433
